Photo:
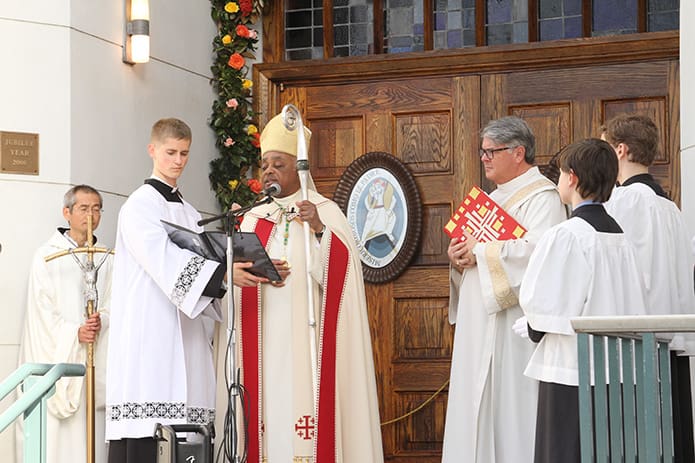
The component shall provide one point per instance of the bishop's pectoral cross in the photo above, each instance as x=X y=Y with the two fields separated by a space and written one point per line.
x=89 y=271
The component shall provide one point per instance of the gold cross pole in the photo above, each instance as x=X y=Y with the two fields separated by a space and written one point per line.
x=91 y=295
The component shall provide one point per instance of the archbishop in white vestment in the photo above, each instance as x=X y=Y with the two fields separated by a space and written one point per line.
x=277 y=365
x=284 y=424
x=491 y=408
x=55 y=312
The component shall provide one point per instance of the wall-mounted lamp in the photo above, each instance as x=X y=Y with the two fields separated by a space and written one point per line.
x=136 y=48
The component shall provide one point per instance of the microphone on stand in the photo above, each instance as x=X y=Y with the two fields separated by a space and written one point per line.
x=273 y=190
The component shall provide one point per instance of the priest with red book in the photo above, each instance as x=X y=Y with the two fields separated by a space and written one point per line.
x=492 y=406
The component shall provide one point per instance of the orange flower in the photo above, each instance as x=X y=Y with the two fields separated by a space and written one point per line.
x=255 y=185
x=243 y=31
x=236 y=61
x=256 y=140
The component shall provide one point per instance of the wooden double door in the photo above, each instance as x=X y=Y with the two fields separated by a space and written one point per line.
x=427 y=110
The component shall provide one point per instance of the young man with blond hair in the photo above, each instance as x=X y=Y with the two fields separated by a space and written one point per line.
x=164 y=308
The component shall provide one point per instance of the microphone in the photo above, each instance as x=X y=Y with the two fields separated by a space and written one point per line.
x=273 y=190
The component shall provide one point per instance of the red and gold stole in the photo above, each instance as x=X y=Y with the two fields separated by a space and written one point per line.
x=334 y=279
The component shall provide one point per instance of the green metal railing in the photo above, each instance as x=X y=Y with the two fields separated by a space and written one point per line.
x=625 y=387
x=38 y=383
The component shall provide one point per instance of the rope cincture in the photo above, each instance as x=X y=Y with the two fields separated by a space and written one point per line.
x=419 y=407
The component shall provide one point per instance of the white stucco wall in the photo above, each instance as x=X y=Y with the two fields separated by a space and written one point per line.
x=687 y=112
x=62 y=77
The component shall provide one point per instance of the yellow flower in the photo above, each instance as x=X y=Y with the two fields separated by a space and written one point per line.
x=231 y=7
x=246 y=83
x=233 y=184
x=252 y=129
x=227 y=39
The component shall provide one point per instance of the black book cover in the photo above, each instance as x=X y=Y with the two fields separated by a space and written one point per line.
x=212 y=245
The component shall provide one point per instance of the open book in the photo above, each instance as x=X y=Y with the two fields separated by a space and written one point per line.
x=212 y=245
x=483 y=218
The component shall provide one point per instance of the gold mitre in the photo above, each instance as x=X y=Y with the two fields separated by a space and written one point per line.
x=277 y=137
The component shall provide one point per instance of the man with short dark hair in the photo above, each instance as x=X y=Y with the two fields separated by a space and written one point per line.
x=655 y=225
x=56 y=329
x=582 y=267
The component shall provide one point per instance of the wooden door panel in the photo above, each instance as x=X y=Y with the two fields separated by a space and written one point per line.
x=395 y=95
x=434 y=243
x=423 y=141
x=584 y=98
x=335 y=143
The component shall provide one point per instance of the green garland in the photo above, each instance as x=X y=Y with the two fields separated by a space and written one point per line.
x=237 y=137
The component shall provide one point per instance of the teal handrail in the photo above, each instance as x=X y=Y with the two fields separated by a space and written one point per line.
x=32 y=403
x=626 y=416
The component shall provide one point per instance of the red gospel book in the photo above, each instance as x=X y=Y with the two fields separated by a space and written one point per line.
x=483 y=218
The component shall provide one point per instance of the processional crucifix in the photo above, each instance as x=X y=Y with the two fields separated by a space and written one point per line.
x=91 y=296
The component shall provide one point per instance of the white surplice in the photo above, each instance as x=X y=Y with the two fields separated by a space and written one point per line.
x=576 y=271
x=160 y=352
x=491 y=410
x=56 y=308
x=656 y=227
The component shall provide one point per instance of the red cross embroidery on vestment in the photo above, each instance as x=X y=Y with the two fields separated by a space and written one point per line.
x=304 y=427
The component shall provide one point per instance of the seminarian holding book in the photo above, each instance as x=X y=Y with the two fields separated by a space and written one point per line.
x=491 y=410
x=272 y=319
x=164 y=307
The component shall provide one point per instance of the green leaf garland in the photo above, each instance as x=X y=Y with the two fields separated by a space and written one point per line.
x=233 y=119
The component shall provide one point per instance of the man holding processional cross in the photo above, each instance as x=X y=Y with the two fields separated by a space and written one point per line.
x=57 y=329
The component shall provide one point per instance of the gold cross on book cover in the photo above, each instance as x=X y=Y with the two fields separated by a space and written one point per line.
x=483 y=218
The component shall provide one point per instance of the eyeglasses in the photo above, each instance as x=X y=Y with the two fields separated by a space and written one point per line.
x=490 y=152
x=95 y=210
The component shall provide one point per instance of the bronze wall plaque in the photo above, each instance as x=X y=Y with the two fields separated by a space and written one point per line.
x=19 y=153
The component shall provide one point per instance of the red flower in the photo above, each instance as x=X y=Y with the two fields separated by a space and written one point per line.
x=255 y=185
x=256 y=140
x=246 y=7
x=236 y=61
x=243 y=31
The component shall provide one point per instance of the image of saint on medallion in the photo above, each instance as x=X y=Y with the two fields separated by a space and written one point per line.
x=376 y=208
x=380 y=199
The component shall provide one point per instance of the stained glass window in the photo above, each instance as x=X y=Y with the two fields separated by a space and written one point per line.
x=454 y=24
x=663 y=15
x=507 y=21
x=559 y=19
x=404 y=26
x=303 y=29
x=352 y=27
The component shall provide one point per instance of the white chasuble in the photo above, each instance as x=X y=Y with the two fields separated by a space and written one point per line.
x=491 y=410
x=160 y=354
x=56 y=308
x=284 y=424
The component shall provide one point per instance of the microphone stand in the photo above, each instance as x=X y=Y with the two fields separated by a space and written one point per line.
x=235 y=388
